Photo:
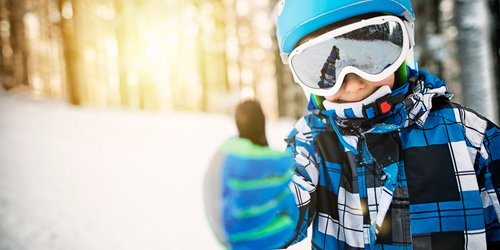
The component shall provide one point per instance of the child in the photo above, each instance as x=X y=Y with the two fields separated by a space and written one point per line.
x=384 y=159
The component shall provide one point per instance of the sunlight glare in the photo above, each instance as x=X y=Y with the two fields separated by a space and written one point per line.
x=67 y=10
x=89 y=55
x=32 y=24
x=36 y=83
x=105 y=12
x=247 y=92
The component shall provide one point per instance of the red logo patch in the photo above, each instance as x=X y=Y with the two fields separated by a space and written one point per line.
x=385 y=107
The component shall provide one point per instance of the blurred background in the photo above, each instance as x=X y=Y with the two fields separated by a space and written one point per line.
x=204 y=55
x=110 y=110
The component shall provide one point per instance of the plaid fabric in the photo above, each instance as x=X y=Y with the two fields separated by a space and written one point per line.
x=427 y=178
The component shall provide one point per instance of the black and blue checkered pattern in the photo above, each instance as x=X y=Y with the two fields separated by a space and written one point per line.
x=428 y=179
x=424 y=176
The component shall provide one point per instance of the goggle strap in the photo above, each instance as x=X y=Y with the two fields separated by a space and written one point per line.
x=318 y=101
x=401 y=75
x=312 y=103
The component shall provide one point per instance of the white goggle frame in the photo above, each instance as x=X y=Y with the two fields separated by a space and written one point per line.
x=350 y=69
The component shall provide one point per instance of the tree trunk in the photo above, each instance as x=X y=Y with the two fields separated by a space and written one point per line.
x=70 y=46
x=495 y=7
x=6 y=62
x=123 y=10
x=476 y=57
x=18 y=41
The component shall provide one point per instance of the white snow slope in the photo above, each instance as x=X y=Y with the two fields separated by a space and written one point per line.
x=93 y=179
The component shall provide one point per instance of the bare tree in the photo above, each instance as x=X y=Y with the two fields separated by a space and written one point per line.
x=495 y=8
x=476 y=56
x=6 y=60
x=69 y=40
x=16 y=10
x=124 y=11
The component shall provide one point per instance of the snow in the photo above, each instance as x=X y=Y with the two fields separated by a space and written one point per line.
x=91 y=179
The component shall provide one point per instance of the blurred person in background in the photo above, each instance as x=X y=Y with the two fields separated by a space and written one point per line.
x=383 y=159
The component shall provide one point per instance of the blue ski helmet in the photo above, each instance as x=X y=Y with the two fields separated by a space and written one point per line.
x=298 y=18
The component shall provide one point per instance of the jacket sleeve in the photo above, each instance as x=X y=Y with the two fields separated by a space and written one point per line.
x=487 y=167
x=305 y=179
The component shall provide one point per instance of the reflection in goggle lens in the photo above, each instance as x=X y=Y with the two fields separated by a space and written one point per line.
x=370 y=49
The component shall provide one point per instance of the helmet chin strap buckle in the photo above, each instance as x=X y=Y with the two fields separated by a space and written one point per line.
x=382 y=105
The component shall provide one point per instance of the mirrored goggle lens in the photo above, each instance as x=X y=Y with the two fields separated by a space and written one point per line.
x=371 y=49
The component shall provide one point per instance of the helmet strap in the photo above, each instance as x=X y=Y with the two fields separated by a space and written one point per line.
x=401 y=76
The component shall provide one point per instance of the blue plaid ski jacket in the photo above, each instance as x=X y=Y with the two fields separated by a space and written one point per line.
x=424 y=176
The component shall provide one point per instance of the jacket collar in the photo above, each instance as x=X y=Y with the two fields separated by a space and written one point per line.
x=415 y=107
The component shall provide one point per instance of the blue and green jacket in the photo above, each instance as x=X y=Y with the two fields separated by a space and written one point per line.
x=424 y=176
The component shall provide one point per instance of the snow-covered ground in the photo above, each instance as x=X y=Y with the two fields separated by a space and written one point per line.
x=93 y=179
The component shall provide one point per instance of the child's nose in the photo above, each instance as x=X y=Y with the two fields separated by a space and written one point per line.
x=353 y=83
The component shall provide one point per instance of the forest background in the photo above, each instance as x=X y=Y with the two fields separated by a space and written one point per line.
x=205 y=55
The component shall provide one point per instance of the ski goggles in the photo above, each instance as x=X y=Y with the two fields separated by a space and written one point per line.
x=373 y=49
